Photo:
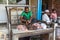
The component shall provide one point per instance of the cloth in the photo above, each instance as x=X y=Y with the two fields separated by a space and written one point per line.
x=46 y=10
x=44 y=25
x=53 y=20
x=53 y=16
x=46 y=18
x=27 y=15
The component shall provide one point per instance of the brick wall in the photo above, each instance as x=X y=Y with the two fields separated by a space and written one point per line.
x=50 y=5
x=34 y=3
x=54 y=4
x=57 y=6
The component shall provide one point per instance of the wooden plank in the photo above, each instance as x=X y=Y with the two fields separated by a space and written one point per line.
x=30 y=32
x=33 y=32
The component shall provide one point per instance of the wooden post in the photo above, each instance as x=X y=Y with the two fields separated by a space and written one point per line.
x=39 y=10
x=53 y=4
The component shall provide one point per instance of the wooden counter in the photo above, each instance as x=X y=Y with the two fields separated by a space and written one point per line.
x=19 y=34
x=32 y=32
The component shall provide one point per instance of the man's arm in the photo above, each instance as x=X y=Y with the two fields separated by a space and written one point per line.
x=31 y=16
x=21 y=18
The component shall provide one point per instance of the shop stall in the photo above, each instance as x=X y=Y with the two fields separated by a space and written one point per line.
x=13 y=13
x=16 y=34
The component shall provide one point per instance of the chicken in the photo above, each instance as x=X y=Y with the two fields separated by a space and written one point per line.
x=22 y=27
x=37 y=25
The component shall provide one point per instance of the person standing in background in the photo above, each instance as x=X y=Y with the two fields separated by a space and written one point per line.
x=45 y=17
x=53 y=15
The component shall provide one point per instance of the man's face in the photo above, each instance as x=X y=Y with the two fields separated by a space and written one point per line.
x=54 y=11
x=47 y=13
x=26 y=10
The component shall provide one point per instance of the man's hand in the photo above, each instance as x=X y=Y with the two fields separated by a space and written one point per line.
x=29 y=21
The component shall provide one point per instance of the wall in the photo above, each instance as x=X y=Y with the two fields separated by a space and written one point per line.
x=54 y=4
x=3 y=15
x=34 y=3
x=57 y=6
x=47 y=4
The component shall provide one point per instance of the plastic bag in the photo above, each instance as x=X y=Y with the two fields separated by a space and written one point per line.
x=44 y=25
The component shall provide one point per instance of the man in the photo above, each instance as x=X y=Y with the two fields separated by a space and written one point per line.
x=45 y=17
x=53 y=15
x=26 y=16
